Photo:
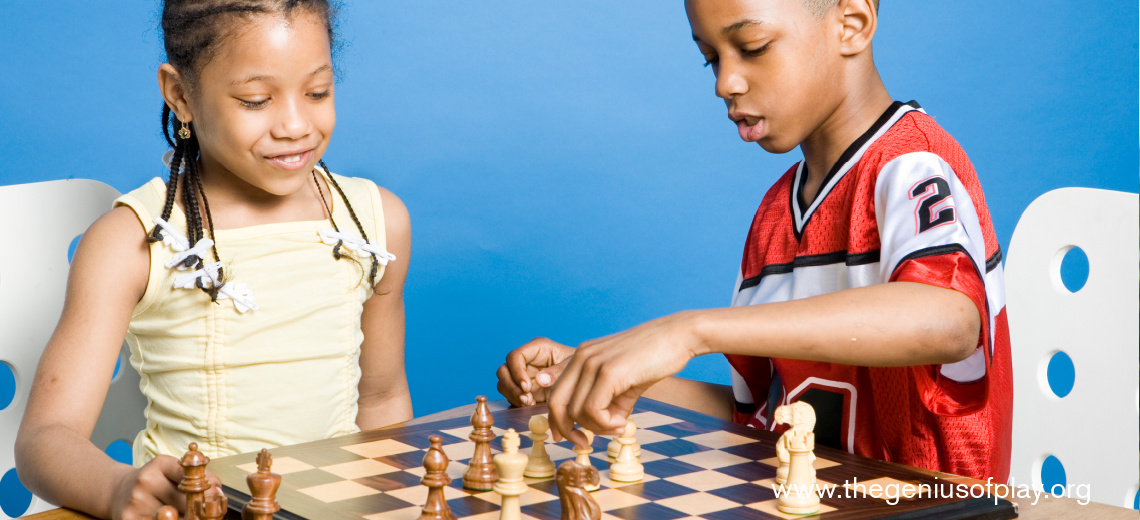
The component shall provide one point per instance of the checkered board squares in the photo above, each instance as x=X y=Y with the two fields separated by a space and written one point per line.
x=696 y=467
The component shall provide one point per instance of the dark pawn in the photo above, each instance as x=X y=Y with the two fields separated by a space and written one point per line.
x=481 y=473
x=262 y=490
x=194 y=483
x=577 y=502
x=435 y=462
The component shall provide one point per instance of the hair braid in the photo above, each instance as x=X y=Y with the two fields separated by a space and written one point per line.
x=375 y=262
x=172 y=183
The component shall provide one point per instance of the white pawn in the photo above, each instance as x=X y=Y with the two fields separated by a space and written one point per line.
x=614 y=447
x=627 y=468
x=539 y=465
x=584 y=457
x=511 y=464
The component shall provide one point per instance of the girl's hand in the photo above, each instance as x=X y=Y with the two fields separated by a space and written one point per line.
x=530 y=370
x=605 y=376
x=141 y=491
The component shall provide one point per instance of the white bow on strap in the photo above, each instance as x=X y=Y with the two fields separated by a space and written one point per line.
x=357 y=245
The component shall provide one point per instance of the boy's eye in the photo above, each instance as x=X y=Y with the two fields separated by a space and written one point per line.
x=317 y=96
x=711 y=60
x=260 y=103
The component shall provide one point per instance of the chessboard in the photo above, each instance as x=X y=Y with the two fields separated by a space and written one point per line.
x=695 y=466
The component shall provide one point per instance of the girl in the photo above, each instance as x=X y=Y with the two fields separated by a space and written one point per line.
x=261 y=295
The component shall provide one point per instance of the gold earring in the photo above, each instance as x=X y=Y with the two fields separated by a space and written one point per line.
x=184 y=132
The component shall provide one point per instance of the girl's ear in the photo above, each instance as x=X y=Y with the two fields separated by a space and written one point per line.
x=170 y=84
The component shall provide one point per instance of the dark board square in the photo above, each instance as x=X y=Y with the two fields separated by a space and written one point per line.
x=650 y=510
x=468 y=506
x=739 y=513
x=310 y=478
x=665 y=468
x=390 y=481
x=744 y=493
x=655 y=490
x=749 y=471
x=370 y=504
x=423 y=442
x=320 y=458
x=549 y=510
x=752 y=450
x=675 y=447
x=549 y=486
x=407 y=460
x=681 y=429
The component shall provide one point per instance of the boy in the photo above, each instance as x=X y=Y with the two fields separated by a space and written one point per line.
x=871 y=280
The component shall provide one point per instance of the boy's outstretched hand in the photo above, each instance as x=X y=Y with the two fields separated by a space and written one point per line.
x=530 y=370
x=604 y=378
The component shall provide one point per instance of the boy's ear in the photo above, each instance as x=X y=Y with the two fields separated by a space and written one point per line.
x=170 y=84
x=859 y=20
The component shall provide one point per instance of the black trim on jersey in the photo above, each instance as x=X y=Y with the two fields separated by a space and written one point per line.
x=797 y=201
x=994 y=261
x=748 y=409
x=838 y=257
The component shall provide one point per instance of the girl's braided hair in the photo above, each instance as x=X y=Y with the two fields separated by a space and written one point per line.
x=193 y=31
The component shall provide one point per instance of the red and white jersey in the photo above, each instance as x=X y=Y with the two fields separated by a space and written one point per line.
x=903 y=203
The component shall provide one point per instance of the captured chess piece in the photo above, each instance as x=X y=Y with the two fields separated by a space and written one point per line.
x=262 y=490
x=435 y=478
x=194 y=483
x=614 y=447
x=627 y=468
x=539 y=465
x=800 y=496
x=583 y=457
x=510 y=464
x=212 y=507
x=577 y=503
x=481 y=474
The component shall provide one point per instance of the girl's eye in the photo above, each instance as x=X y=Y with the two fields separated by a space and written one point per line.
x=317 y=96
x=254 y=104
x=757 y=51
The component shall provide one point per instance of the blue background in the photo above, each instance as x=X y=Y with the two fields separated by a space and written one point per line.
x=568 y=170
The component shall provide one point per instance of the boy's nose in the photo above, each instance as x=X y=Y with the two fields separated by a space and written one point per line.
x=729 y=81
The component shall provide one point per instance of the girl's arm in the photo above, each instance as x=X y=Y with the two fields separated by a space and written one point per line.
x=384 y=395
x=54 y=454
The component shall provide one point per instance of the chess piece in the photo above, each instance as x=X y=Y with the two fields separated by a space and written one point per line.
x=481 y=474
x=539 y=465
x=614 y=447
x=583 y=453
x=194 y=483
x=166 y=513
x=800 y=496
x=435 y=478
x=577 y=503
x=212 y=507
x=627 y=468
x=510 y=464
x=262 y=490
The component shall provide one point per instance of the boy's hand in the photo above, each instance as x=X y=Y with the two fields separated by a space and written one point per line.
x=530 y=371
x=606 y=376
x=141 y=491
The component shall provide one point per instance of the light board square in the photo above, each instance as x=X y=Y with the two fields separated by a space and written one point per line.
x=281 y=466
x=819 y=463
x=610 y=499
x=651 y=419
x=359 y=469
x=337 y=491
x=380 y=448
x=719 y=439
x=771 y=507
x=698 y=503
x=705 y=480
x=418 y=494
x=712 y=459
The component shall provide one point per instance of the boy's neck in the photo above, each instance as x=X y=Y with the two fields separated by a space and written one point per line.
x=858 y=110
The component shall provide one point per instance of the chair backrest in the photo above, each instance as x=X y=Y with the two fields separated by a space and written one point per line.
x=39 y=227
x=1076 y=400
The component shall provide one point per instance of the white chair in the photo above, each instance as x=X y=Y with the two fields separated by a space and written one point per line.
x=38 y=222
x=1092 y=429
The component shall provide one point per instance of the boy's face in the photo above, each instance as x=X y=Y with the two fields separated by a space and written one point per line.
x=778 y=68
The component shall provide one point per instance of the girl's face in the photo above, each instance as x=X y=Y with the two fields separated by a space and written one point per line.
x=263 y=109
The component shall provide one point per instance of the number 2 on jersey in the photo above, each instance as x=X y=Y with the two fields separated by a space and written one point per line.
x=931 y=193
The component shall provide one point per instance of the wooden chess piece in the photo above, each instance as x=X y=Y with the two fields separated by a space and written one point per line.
x=627 y=468
x=577 y=503
x=614 y=447
x=194 y=483
x=510 y=464
x=583 y=453
x=800 y=496
x=262 y=490
x=166 y=513
x=435 y=478
x=213 y=507
x=481 y=474
x=539 y=465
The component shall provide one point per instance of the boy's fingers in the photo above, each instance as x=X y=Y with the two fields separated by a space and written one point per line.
x=557 y=400
x=516 y=366
x=507 y=386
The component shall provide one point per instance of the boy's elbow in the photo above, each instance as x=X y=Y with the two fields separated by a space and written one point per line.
x=960 y=338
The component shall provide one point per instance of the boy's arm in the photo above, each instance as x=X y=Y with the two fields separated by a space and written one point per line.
x=384 y=395
x=892 y=324
x=698 y=396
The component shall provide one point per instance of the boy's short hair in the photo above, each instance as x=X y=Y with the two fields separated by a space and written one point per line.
x=821 y=7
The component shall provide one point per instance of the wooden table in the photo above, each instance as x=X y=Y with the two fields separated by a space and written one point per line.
x=1047 y=508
